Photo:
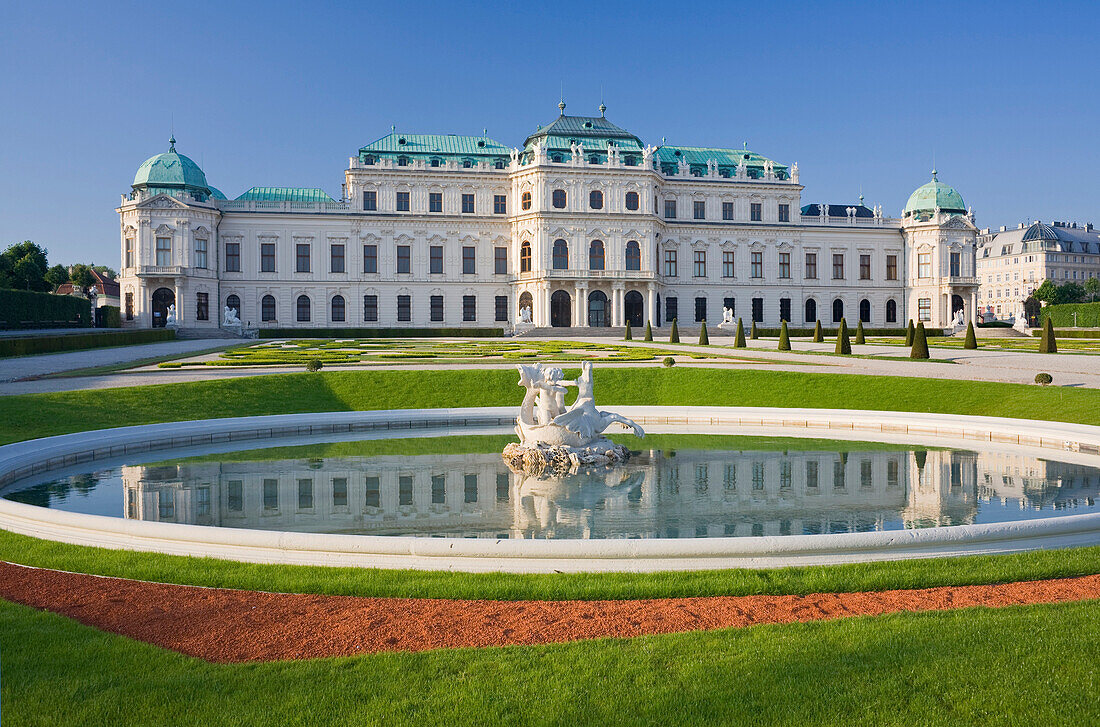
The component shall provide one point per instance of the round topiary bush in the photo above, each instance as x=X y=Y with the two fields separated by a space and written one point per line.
x=668 y=362
x=1043 y=379
x=314 y=364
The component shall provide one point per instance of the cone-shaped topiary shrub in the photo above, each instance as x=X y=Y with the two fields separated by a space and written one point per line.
x=648 y=332
x=754 y=333
x=784 y=338
x=1047 y=343
x=971 y=339
x=674 y=337
x=628 y=337
x=909 y=333
x=739 y=341
x=843 y=341
x=920 y=343
x=819 y=337
x=859 y=333
x=704 y=339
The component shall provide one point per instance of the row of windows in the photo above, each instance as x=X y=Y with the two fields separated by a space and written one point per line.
x=338 y=308
x=560 y=200
x=756 y=266
x=699 y=211
x=402 y=202
x=924 y=264
x=337 y=263
x=434 y=162
x=810 y=312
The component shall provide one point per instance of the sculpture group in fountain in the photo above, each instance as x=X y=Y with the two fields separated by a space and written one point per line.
x=553 y=437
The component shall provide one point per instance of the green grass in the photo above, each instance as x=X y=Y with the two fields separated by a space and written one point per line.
x=1035 y=665
x=39 y=415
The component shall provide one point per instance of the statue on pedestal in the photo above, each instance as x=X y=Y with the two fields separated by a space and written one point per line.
x=170 y=320
x=229 y=317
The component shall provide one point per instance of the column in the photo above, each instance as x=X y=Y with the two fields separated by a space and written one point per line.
x=973 y=307
x=651 y=304
x=620 y=315
x=544 y=299
x=581 y=318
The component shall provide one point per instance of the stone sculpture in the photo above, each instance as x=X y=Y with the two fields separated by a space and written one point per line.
x=229 y=317
x=553 y=437
x=170 y=319
x=525 y=315
x=727 y=316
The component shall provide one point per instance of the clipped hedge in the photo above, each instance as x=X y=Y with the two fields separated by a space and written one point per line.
x=80 y=341
x=112 y=316
x=1069 y=333
x=24 y=309
x=381 y=332
x=1088 y=315
x=808 y=332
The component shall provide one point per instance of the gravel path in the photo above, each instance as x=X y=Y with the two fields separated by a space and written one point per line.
x=19 y=367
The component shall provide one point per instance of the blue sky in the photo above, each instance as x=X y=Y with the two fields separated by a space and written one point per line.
x=861 y=95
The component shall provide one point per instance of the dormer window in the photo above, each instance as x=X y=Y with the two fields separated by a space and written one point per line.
x=402 y=161
x=499 y=164
x=481 y=144
x=369 y=160
x=594 y=159
x=555 y=158
x=467 y=164
x=436 y=161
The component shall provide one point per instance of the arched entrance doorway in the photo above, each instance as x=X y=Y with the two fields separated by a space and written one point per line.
x=525 y=301
x=162 y=298
x=559 y=309
x=811 y=311
x=597 y=309
x=633 y=306
x=956 y=305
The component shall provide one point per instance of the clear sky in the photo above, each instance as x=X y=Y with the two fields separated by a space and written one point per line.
x=862 y=95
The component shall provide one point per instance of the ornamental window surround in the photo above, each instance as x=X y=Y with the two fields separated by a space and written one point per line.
x=559 y=199
x=435 y=201
x=811 y=266
x=632 y=201
x=784 y=212
x=727 y=211
x=670 y=264
x=164 y=252
x=500 y=204
x=267 y=308
x=865 y=267
x=596 y=255
x=201 y=253
x=467 y=204
x=402 y=201
x=700 y=209
x=595 y=199
x=525 y=257
x=784 y=265
x=838 y=266
x=757 y=265
x=700 y=264
x=232 y=257
x=561 y=255
x=525 y=201
x=633 y=255
x=370 y=258
x=756 y=212
x=727 y=264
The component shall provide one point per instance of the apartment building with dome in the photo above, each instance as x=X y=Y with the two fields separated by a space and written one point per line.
x=584 y=223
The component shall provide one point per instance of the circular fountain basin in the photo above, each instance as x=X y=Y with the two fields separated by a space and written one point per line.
x=662 y=510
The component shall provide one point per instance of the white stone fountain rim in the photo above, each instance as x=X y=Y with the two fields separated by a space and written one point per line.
x=1073 y=442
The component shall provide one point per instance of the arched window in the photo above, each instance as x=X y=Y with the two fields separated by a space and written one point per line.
x=234 y=303
x=595 y=255
x=633 y=255
x=525 y=200
x=267 y=308
x=865 y=310
x=525 y=257
x=559 y=199
x=632 y=201
x=838 y=310
x=891 y=311
x=303 y=309
x=338 y=307
x=525 y=301
x=595 y=199
x=561 y=255
x=811 y=310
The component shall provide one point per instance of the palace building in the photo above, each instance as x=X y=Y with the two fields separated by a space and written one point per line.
x=585 y=224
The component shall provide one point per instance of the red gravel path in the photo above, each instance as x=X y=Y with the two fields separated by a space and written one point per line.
x=224 y=625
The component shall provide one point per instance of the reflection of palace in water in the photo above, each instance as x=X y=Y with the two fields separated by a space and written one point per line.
x=688 y=493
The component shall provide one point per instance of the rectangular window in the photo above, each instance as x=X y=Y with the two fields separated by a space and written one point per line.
x=439 y=489
x=404 y=308
x=811 y=474
x=500 y=260
x=370 y=200
x=924 y=309
x=336 y=258
x=758 y=310
x=757 y=211
x=435 y=201
x=839 y=475
x=469 y=488
x=924 y=264
x=727 y=210
x=864 y=267
x=469 y=261
x=500 y=204
x=271 y=494
x=670 y=263
x=785 y=309
x=671 y=309
x=200 y=254
x=232 y=257
x=838 y=266
x=202 y=306
x=727 y=264
x=267 y=257
x=301 y=258
x=404 y=259
x=129 y=252
x=700 y=270
x=166 y=505
x=956 y=265
x=670 y=209
x=164 y=251
x=305 y=494
x=784 y=265
x=435 y=303
x=435 y=260
x=784 y=213
x=891 y=473
x=757 y=261
x=700 y=309
x=404 y=490
x=502 y=487
x=891 y=267
x=811 y=265
x=865 y=473
x=758 y=476
x=402 y=201
x=700 y=209
x=235 y=495
x=370 y=258
x=467 y=204
x=785 y=474
x=502 y=308
x=339 y=491
x=373 y=496
x=129 y=306
x=370 y=308
x=469 y=308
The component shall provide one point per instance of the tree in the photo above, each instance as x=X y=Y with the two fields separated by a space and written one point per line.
x=920 y=343
x=24 y=266
x=1045 y=292
x=971 y=339
x=819 y=337
x=843 y=342
x=82 y=277
x=1092 y=289
x=57 y=276
x=648 y=331
x=859 y=333
x=704 y=339
x=739 y=339
x=1047 y=343
x=1069 y=292
x=784 y=338
x=105 y=270
x=909 y=332
x=628 y=337
x=674 y=337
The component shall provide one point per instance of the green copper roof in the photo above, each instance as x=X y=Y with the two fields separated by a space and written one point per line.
x=429 y=145
x=285 y=194
x=171 y=170
x=586 y=130
x=217 y=193
x=728 y=159
x=932 y=196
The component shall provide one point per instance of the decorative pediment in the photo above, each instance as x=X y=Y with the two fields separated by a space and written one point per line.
x=728 y=245
x=162 y=202
x=957 y=223
x=201 y=231
x=437 y=239
x=756 y=245
x=785 y=246
x=698 y=244
x=403 y=239
x=165 y=230
x=370 y=238
x=468 y=238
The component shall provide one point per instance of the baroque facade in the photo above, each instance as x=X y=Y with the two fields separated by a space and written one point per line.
x=586 y=225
